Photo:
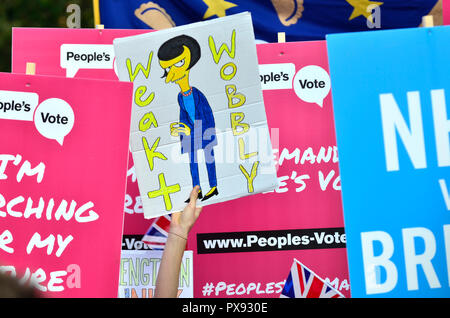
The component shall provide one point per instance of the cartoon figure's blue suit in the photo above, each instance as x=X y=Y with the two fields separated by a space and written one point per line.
x=196 y=113
x=196 y=128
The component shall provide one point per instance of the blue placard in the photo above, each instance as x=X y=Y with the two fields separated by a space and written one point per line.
x=391 y=97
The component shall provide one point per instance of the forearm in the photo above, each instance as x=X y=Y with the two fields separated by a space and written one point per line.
x=169 y=269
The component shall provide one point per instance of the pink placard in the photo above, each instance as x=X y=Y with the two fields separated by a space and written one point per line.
x=66 y=52
x=62 y=189
x=446 y=12
x=244 y=248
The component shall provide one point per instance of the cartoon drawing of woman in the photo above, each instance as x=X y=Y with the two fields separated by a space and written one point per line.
x=196 y=127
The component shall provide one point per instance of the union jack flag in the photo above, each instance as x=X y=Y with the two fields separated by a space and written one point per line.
x=156 y=235
x=304 y=283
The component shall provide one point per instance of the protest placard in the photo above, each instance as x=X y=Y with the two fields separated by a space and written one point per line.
x=139 y=270
x=252 y=241
x=63 y=170
x=390 y=97
x=198 y=114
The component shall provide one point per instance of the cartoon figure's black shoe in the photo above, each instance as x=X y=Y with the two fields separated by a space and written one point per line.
x=200 y=195
x=211 y=193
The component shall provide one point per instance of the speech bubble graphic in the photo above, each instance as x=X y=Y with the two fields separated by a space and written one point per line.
x=74 y=57
x=312 y=84
x=18 y=105
x=54 y=119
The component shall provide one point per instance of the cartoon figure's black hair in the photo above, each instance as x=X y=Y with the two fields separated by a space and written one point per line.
x=174 y=47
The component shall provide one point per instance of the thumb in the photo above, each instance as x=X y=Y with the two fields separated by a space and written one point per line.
x=193 y=197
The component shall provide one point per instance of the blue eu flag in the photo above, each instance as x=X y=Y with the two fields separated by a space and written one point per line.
x=299 y=19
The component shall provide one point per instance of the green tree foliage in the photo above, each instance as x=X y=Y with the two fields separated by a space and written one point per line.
x=36 y=13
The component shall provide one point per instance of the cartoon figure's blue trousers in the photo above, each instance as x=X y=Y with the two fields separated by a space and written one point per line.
x=210 y=167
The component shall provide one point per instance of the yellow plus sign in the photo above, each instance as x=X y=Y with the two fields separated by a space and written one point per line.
x=164 y=191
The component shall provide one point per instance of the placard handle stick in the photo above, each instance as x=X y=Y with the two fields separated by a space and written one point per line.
x=427 y=21
x=31 y=69
x=96 y=7
x=281 y=37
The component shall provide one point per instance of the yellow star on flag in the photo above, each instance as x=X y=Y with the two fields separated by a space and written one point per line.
x=360 y=8
x=217 y=7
